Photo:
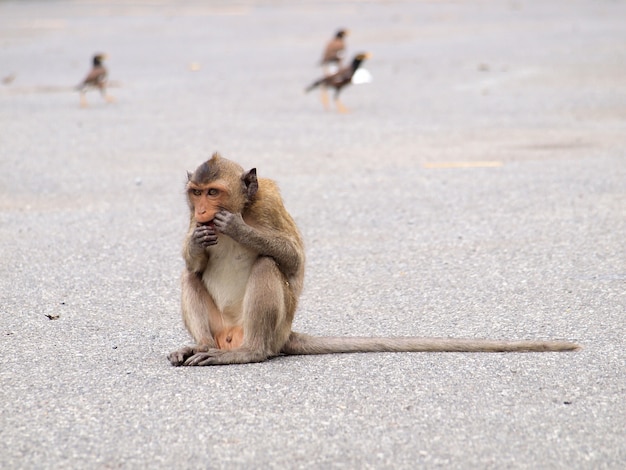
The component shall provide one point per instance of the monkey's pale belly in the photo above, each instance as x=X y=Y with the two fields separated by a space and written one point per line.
x=226 y=277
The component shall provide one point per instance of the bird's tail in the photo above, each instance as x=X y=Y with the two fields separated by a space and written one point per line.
x=301 y=344
x=313 y=85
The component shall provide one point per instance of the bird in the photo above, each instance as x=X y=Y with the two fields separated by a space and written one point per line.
x=96 y=78
x=333 y=52
x=345 y=76
x=8 y=79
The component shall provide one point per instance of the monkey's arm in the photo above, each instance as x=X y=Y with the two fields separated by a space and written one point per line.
x=265 y=241
x=198 y=239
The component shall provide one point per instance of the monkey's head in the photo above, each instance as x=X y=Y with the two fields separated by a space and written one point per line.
x=219 y=184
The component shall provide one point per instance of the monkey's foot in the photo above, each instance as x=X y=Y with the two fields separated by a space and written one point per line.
x=214 y=357
x=178 y=358
x=207 y=358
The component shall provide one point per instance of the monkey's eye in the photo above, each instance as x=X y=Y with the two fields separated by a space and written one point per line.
x=196 y=192
x=213 y=192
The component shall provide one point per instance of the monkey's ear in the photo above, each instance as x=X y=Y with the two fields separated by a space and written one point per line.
x=189 y=175
x=251 y=183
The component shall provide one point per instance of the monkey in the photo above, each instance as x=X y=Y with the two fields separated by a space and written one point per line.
x=244 y=267
x=243 y=276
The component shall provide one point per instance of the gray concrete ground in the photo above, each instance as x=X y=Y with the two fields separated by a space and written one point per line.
x=402 y=237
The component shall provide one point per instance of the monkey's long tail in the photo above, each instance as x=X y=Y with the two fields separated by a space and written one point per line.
x=300 y=344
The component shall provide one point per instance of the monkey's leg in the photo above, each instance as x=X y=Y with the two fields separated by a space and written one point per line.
x=199 y=312
x=266 y=325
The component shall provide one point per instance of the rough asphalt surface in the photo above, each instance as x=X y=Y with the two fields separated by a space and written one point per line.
x=477 y=189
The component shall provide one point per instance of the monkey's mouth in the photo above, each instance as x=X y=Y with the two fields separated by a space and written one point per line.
x=209 y=223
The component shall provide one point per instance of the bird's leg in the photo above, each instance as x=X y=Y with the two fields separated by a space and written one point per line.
x=108 y=98
x=83 y=100
x=324 y=97
x=340 y=107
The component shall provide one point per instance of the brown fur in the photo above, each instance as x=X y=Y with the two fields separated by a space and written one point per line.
x=244 y=272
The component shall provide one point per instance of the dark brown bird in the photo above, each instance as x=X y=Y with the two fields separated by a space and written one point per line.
x=96 y=78
x=333 y=53
x=340 y=79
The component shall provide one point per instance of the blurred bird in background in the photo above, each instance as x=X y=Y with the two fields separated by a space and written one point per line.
x=345 y=76
x=334 y=52
x=8 y=79
x=95 y=79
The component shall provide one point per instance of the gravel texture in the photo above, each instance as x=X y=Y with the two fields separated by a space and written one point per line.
x=476 y=189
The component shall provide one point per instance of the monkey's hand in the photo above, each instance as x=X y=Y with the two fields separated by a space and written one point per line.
x=273 y=243
x=204 y=236
x=229 y=224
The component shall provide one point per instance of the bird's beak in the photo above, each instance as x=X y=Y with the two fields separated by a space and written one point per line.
x=368 y=55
